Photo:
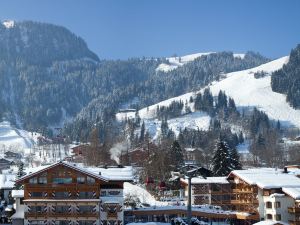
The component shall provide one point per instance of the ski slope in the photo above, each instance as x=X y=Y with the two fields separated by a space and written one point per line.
x=243 y=87
x=14 y=139
x=175 y=62
x=249 y=92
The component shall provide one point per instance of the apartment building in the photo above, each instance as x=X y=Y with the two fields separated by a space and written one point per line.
x=211 y=191
x=269 y=193
x=67 y=193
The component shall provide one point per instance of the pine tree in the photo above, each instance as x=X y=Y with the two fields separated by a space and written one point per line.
x=142 y=134
x=221 y=160
x=235 y=159
x=19 y=175
x=241 y=137
x=176 y=155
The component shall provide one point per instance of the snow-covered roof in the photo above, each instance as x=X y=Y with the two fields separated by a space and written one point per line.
x=106 y=174
x=267 y=178
x=208 y=180
x=269 y=222
x=293 y=192
x=17 y=193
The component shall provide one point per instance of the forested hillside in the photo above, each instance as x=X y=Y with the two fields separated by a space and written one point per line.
x=287 y=79
x=49 y=76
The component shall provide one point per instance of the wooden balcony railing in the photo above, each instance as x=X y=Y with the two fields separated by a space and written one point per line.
x=293 y=210
x=61 y=214
x=294 y=222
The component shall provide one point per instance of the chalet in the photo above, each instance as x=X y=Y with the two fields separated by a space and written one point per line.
x=68 y=193
x=212 y=191
x=269 y=193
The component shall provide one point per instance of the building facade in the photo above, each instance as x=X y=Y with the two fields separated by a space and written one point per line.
x=65 y=193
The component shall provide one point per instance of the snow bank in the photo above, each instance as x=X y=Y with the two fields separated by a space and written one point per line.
x=142 y=194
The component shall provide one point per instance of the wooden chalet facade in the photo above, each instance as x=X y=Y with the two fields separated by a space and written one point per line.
x=211 y=191
x=63 y=194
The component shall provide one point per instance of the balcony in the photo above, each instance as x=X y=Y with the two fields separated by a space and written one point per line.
x=294 y=222
x=60 y=214
x=293 y=210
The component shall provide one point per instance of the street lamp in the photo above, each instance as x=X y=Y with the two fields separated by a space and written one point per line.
x=191 y=171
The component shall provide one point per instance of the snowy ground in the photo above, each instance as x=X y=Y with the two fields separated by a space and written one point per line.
x=142 y=194
x=14 y=139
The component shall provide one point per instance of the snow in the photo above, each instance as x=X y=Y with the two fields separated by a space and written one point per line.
x=142 y=194
x=208 y=180
x=267 y=178
x=16 y=139
x=109 y=173
x=7 y=181
x=175 y=62
x=246 y=91
x=9 y=23
x=19 y=213
x=250 y=92
x=17 y=193
x=269 y=222
x=238 y=55
x=149 y=223
x=195 y=120
x=293 y=192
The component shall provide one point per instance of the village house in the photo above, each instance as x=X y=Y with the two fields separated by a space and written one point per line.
x=68 y=193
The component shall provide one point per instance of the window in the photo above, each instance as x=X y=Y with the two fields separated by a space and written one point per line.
x=269 y=205
x=85 y=208
x=85 y=222
x=269 y=216
x=61 y=222
x=278 y=217
x=37 y=194
x=37 y=209
x=277 y=205
x=62 y=180
x=61 y=194
x=61 y=209
x=42 y=180
x=37 y=222
x=85 y=195
x=80 y=180
x=33 y=180
x=90 y=180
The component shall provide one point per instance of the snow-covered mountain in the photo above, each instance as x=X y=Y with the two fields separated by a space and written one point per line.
x=243 y=87
x=175 y=62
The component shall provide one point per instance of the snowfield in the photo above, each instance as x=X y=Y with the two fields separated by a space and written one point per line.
x=243 y=87
x=248 y=91
x=175 y=62
x=15 y=139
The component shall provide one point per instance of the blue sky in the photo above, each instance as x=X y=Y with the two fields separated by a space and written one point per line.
x=135 y=28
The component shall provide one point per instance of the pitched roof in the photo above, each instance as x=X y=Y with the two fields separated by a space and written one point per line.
x=267 y=178
x=109 y=174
